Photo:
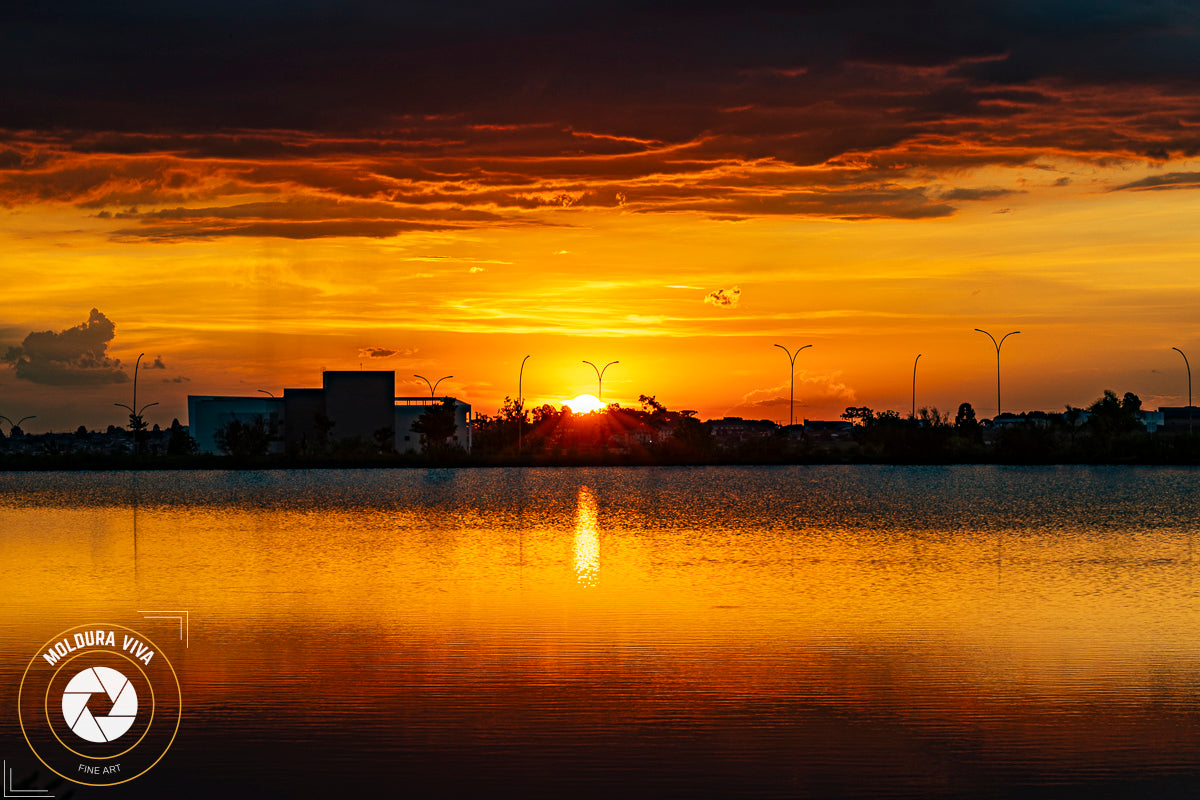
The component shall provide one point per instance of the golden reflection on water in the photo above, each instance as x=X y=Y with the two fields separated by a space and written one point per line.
x=1023 y=630
x=587 y=538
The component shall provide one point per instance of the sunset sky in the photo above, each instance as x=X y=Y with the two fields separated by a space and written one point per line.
x=250 y=192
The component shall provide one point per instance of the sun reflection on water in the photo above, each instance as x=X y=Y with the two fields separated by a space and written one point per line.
x=587 y=539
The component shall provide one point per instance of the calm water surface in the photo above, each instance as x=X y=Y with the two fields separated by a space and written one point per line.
x=730 y=632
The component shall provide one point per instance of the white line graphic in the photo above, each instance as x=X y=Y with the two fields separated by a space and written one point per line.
x=26 y=793
x=184 y=635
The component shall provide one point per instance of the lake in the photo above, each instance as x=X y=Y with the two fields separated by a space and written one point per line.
x=826 y=631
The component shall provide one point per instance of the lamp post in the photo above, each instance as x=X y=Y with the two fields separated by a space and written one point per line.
x=521 y=401
x=600 y=376
x=914 y=393
x=135 y=414
x=792 y=393
x=268 y=394
x=16 y=424
x=998 y=345
x=1189 y=373
x=432 y=386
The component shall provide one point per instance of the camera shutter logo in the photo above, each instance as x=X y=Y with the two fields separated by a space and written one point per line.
x=99 y=680
x=99 y=704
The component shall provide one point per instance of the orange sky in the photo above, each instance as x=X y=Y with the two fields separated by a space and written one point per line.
x=876 y=203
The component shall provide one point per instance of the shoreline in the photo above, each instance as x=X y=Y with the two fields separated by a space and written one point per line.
x=230 y=464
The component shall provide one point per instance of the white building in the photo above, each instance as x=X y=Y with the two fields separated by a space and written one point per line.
x=208 y=413
x=409 y=409
x=351 y=405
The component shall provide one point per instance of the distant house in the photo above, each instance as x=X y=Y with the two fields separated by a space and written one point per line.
x=350 y=405
x=828 y=430
x=732 y=431
x=1038 y=419
x=1153 y=420
x=1178 y=419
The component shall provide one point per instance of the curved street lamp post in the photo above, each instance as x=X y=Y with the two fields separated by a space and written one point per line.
x=914 y=393
x=600 y=377
x=792 y=393
x=998 y=345
x=135 y=413
x=1189 y=373
x=16 y=424
x=432 y=386
x=521 y=401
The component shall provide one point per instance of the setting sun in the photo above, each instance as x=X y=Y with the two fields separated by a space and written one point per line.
x=585 y=404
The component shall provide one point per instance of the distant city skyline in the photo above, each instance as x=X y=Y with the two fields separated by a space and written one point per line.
x=421 y=386
x=444 y=190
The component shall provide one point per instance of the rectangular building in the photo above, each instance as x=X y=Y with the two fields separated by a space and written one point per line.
x=349 y=405
x=359 y=404
x=209 y=413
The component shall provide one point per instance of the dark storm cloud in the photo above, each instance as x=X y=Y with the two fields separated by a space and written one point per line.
x=72 y=357
x=342 y=66
x=360 y=114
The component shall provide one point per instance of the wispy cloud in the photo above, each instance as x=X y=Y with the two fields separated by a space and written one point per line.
x=812 y=391
x=1170 y=180
x=967 y=194
x=385 y=352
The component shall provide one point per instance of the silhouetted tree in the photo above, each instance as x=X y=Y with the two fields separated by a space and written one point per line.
x=891 y=418
x=931 y=418
x=501 y=432
x=385 y=438
x=859 y=415
x=655 y=412
x=1028 y=439
x=137 y=427
x=1112 y=416
x=243 y=439
x=180 y=442
x=547 y=425
x=436 y=426
x=965 y=419
x=1131 y=404
x=692 y=439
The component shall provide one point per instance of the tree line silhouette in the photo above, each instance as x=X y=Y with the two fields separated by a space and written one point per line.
x=1110 y=430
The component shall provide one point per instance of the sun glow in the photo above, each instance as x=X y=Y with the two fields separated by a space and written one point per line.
x=584 y=404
